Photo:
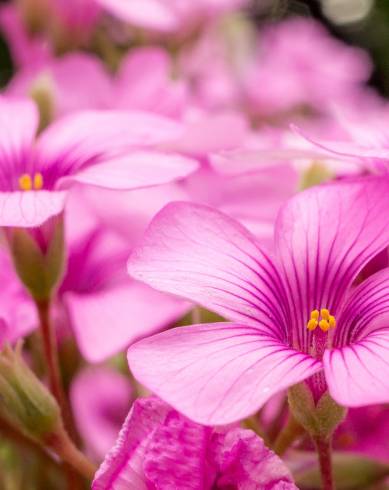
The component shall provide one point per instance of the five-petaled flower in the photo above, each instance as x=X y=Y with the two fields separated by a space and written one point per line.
x=298 y=316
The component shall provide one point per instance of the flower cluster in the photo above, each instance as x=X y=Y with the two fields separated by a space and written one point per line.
x=194 y=213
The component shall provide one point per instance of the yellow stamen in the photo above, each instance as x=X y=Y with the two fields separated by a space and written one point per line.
x=325 y=314
x=322 y=319
x=324 y=325
x=38 y=181
x=312 y=324
x=315 y=315
x=25 y=182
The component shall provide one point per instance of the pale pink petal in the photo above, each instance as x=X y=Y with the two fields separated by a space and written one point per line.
x=91 y=136
x=358 y=375
x=217 y=373
x=30 y=208
x=108 y=321
x=150 y=14
x=203 y=255
x=324 y=236
x=137 y=170
x=100 y=398
x=122 y=468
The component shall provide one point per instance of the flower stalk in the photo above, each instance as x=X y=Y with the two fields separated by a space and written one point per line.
x=323 y=448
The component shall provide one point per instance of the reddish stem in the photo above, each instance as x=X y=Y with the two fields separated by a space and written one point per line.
x=323 y=447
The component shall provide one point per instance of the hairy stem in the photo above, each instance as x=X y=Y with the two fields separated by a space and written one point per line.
x=323 y=447
x=68 y=452
x=50 y=350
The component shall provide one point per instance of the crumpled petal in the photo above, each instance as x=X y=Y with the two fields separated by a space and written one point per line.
x=203 y=255
x=245 y=462
x=324 y=236
x=358 y=374
x=161 y=449
x=217 y=373
x=108 y=321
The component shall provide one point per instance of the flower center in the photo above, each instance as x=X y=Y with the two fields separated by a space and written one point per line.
x=322 y=319
x=28 y=183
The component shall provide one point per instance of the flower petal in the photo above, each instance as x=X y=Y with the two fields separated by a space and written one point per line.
x=18 y=125
x=358 y=374
x=217 y=373
x=124 y=310
x=324 y=236
x=203 y=255
x=30 y=208
x=122 y=468
x=137 y=170
x=87 y=137
x=366 y=310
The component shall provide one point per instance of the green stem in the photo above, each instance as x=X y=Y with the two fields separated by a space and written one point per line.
x=323 y=448
x=287 y=436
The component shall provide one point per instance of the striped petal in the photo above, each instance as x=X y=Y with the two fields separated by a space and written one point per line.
x=358 y=375
x=203 y=255
x=324 y=236
x=217 y=373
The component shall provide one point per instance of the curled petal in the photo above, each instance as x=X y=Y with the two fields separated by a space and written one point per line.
x=217 y=373
x=358 y=374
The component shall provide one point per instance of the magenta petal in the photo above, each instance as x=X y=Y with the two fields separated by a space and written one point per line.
x=217 y=373
x=324 y=236
x=366 y=310
x=358 y=374
x=201 y=254
x=244 y=462
x=122 y=468
x=137 y=170
x=30 y=208
x=126 y=311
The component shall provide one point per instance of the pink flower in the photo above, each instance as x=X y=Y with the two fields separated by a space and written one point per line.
x=299 y=65
x=100 y=399
x=106 y=149
x=159 y=448
x=294 y=317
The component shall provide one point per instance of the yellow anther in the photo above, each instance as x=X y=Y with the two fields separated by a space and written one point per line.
x=332 y=321
x=324 y=325
x=312 y=324
x=25 y=182
x=38 y=181
x=315 y=315
x=325 y=314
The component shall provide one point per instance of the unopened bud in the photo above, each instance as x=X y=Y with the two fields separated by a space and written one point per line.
x=25 y=403
x=39 y=256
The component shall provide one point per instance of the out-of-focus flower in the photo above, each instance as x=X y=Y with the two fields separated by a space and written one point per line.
x=105 y=149
x=300 y=67
x=169 y=16
x=159 y=448
x=294 y=318
x=100 y=399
